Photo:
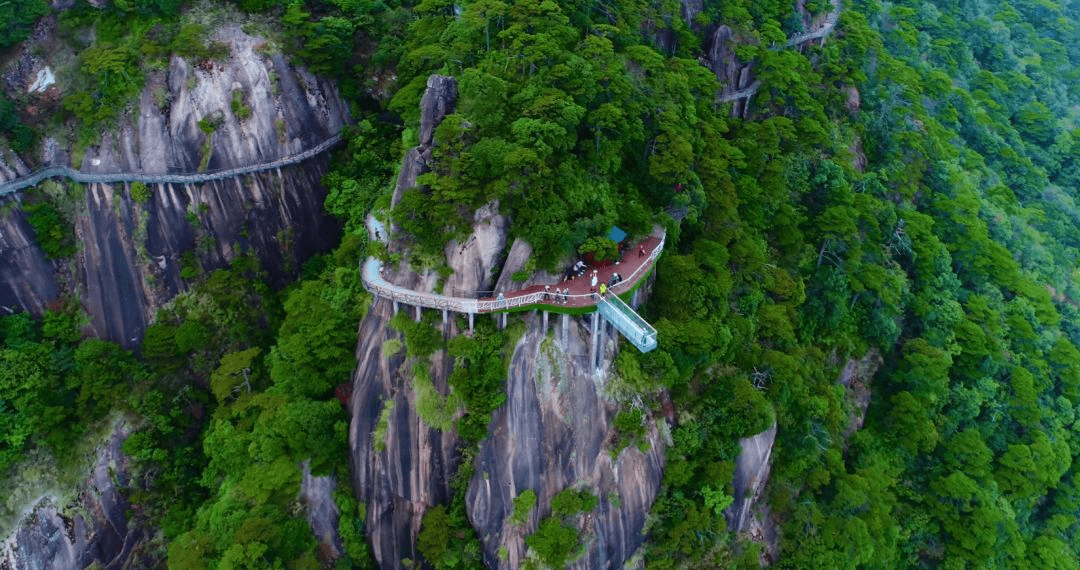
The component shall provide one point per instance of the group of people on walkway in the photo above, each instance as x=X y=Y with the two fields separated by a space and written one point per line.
x=562 y=296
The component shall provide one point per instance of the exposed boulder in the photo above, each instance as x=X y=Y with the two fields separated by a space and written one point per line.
x=317 y=493
x=747 y=515
x=856 y=378
x=27 y=279
x=437 y=102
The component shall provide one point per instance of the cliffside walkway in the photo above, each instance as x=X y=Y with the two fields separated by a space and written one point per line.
x=826 y=28
x=634 y=266
x=110 y=178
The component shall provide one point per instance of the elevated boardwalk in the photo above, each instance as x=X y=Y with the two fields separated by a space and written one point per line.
x=576 y=293
x=112 y=178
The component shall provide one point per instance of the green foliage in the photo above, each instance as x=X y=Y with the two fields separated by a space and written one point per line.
x=18 y=135
x=18 y=17
x=434 y=409
x=140 y=194
x=234 y=371
x=554 y=542
x=54 y=232
x=569 y=502
x=434 y=534
x=602 y=248
x=362 y=174
x=240 y=109
x=523 y=505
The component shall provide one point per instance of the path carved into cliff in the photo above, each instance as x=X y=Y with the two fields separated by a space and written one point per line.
x=109 y=178
x=826 y=28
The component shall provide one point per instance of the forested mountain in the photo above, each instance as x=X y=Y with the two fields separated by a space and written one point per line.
x=873 y=251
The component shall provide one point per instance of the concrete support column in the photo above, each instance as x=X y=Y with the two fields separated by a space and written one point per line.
x=565 y=321
x=600 y=345
x=418 y=313
x=592 y=341
x=396 y=307
x=545 y=322
x=502 y=321
x=471 y=315
x=444 y=317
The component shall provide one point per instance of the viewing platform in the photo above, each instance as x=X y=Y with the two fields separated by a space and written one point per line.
x=575 y=292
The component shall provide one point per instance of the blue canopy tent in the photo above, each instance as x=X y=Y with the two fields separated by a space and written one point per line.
x=616 y=234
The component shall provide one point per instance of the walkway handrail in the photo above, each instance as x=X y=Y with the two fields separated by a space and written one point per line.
x=108 y=178
x=374 y=282
x=372 y=279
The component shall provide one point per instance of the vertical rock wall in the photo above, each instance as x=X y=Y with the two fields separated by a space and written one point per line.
x=94 y=530
x=553 y=434
x=128 y=263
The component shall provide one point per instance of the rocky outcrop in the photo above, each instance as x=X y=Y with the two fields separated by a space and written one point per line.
x=747 y=515
x=317 y=494
x=437 y=102
x=734 y=75
x=409 y=468
x=27 y=279
x=129 y=262
x=94 y=529
x=553 y=433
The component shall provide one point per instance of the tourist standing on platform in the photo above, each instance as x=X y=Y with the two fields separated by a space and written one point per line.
x=592 y=282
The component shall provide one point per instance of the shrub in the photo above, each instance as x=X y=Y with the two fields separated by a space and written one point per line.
x=55 y=235
x=378 y=437
x=140 y=194
x=554 y=542
x=239 y=109
x=523 y=505
x=570 y=502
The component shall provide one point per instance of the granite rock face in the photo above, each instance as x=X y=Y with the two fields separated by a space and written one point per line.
x=129 y=258
x=98 y=531
x=554 y=433
x=437 y=102
x=409 y=468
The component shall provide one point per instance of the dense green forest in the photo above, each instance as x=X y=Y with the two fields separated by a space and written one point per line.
x=903 y=193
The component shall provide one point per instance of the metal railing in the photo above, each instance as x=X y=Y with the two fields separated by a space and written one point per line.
x=110 y=178
x=373 y=281
x=636 y=329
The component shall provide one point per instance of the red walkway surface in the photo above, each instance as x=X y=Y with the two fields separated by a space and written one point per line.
x=580 y=294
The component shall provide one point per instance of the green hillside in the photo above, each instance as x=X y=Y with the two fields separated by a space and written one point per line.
x=904 y=194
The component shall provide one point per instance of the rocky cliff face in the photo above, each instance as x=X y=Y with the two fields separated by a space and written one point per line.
x=129 y=262
x=410 y=468
x=93 y=530
x=553 y=434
